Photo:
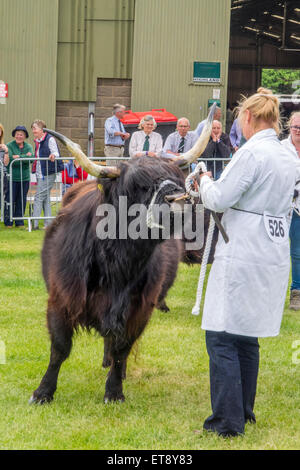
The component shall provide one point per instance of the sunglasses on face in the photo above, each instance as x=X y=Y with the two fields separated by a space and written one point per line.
x=295 y=128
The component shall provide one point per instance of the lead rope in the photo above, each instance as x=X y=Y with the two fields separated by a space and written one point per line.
x=200 y=168
x=196 y=308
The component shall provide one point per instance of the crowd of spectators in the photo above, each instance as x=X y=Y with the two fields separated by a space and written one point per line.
x=147 y=142
x=43 y=161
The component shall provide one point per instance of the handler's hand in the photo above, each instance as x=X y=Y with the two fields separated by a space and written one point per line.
x=52 y=157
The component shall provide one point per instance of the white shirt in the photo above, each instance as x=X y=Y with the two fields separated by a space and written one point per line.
x=289 y=145
x=249 y=277
x=137 y=143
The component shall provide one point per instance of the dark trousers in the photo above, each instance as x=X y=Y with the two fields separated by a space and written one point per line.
x=18 y=200
x=233 y=366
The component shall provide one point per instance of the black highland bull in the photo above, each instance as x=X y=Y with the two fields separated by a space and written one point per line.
x=108 y=285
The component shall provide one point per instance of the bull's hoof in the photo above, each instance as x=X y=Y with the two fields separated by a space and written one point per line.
x=40 y=398
x=113 y=397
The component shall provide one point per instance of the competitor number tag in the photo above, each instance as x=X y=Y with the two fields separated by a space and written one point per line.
x=276 y=227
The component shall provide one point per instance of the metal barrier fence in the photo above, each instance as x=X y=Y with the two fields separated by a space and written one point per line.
x=26 y=200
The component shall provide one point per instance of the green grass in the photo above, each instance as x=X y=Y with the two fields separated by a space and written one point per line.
x=167 y=386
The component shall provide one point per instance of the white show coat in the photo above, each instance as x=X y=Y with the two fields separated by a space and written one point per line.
x=249 y=277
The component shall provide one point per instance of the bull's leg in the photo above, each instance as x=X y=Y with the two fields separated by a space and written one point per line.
x=106 y=356
x=113 y=386
x=61 y=344
x=107 y=359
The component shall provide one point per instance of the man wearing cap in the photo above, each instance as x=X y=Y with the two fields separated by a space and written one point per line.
x=115 y=134
x=17 y=150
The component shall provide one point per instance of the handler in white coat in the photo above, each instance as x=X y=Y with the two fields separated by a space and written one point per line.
x=249 y=277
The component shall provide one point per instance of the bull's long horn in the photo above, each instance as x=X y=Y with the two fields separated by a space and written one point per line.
x=199 y=147
x=84 y=162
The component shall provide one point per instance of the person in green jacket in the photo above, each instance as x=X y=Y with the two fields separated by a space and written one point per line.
x=18 y=149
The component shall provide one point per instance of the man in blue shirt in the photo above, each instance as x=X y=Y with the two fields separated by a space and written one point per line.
x=235 y=135
x=115 y=134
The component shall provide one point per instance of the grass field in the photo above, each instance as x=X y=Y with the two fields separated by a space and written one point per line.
x=167 y=386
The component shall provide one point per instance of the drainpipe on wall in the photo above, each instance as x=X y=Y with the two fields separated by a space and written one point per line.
x=91 y=130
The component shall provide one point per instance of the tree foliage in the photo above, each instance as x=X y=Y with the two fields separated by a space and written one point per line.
x=281 y=81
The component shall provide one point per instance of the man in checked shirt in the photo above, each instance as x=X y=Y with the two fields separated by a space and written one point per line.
x=181 y=140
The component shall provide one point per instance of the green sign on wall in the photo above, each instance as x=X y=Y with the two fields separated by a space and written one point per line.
x=211 y=102
x=207 y=72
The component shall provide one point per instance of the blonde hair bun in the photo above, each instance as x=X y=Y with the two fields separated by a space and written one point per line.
x=264 y=91
x=264 y=107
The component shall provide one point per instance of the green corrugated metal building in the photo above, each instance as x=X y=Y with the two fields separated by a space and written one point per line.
x=28 y=61
x=169 y=36
x=57 y=56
